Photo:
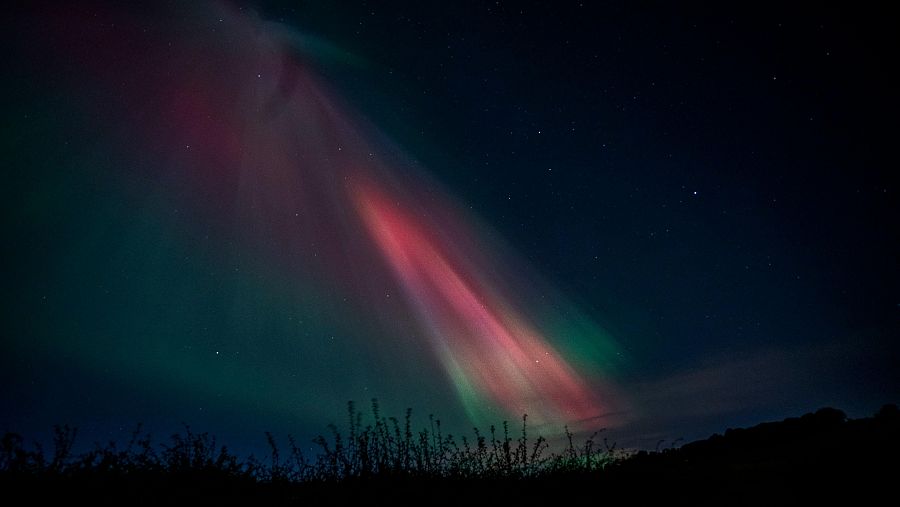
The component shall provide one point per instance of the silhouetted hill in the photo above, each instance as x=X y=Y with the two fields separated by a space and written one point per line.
x=813 y=440
x=819 y=457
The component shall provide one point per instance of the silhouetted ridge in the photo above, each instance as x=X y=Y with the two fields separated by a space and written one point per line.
x=822 y=456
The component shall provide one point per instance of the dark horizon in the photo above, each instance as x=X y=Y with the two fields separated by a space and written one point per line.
x=819 y=457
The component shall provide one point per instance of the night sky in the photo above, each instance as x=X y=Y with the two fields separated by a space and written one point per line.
x=660 y=219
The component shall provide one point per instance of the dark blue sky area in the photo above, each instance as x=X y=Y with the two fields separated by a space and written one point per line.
x=713 y=180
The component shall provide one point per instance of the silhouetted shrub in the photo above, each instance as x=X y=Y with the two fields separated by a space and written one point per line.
x=381 y=452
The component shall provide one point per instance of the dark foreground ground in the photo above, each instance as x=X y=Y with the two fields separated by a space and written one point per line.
x=821 y=458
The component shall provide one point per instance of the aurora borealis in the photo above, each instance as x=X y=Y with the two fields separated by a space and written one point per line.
x=350 y=238
x=483 y=347
x=217 y=214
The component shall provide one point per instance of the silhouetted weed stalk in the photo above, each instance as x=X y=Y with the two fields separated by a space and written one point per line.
x=380 y=447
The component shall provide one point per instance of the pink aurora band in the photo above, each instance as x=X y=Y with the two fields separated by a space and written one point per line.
x=250 y=132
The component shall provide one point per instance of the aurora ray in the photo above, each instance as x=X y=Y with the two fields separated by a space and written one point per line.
x=316 y=214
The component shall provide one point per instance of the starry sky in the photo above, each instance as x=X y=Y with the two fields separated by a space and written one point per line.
x=660 y=219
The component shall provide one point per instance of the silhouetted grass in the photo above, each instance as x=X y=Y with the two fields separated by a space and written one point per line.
x=374 y=447
x=386 y=452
